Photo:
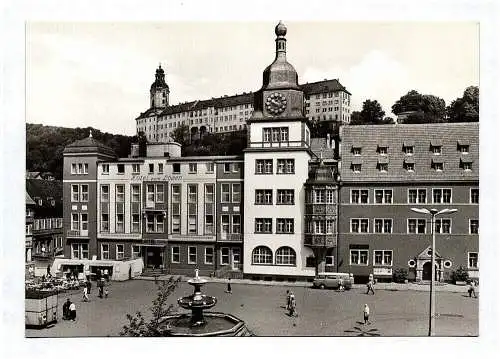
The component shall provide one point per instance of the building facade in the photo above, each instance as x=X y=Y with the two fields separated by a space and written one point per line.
x=388 y=170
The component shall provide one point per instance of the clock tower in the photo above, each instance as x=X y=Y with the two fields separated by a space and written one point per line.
x=276 y=169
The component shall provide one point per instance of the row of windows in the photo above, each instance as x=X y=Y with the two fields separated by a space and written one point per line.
x=283 y=196
x=283 y=166
x=418 y=195
x=414 y=225
x=264 y=255
x=437 y=166
x=79 y=168
x=409 y=149
x=283 y=225
x=47 y=223
x=275 y=134
x=229 y=167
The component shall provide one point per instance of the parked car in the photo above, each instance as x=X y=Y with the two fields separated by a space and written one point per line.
x=333 y=280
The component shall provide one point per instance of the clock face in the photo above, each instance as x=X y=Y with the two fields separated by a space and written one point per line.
x=276 y=103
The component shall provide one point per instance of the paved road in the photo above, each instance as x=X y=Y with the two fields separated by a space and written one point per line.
x=321 y=312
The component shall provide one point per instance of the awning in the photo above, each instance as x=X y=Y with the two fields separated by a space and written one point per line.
x=383 y=145
x=436 y=142
x=408 y=143
x=383 y=160
x=356 y=161
x=463 y=142
x=437 y=160
x=409 y=160
x=466 y=158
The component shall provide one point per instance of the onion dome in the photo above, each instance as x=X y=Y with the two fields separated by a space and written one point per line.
x=159 y=82
x=280 y=74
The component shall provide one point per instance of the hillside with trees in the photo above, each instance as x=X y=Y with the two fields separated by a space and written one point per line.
x=45 y=145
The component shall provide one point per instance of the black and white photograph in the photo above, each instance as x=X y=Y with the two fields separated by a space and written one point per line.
x=253 y=177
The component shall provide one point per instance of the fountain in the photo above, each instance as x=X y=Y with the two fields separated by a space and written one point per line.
x=199 y=323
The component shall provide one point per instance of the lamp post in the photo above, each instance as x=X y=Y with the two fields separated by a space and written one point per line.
x=432 y=300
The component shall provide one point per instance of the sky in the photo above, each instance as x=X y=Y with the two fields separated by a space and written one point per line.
x=98 y=73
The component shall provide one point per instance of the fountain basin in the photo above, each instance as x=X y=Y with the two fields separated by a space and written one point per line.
x=216 y=324
x=197 y=300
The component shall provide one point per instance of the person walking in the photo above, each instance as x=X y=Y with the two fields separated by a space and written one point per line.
x=341 y=285
x=229 y=290
x=72 y=311
x=472 y=289
x=366 y=314
x=369 y=287
x=287 y=303
x=106 y=292
x=292 y=308
x=85 y=294
x=66 y=314
x=89 y=285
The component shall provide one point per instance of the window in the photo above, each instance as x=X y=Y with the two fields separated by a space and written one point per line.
x=441 y=195
x=176 y=208
x=359 y=257
x=319 y=196
x=264 y=196
x=330 y=226
x=329 y=260
x=285 y=256
x=383 y=196
x=263 y=225
x=262 y=255
x=442 y=225
x=121 y=168
x=75 y=196
x=464 y=149
x=176 y=168
x=84 y=193
x=408 y=150
x=80 y=250
x=136 y=193
x=330 y=196
x=192 y=208
x=236 y=192
x=75 y=222
x=209 y=255
x=359 y=225
x=437 y=166
x=193 y=167
x=104 y=251
x=235 y=167
x=136 y=251
x=225 y=224
x=136 y=168
x=154 y=223
x=356 y=167
x=474 y=195
x=151 y=168
x=382 y=150
x=382 y=225
x=359 y=196
x=382 y=258
x=263 y=166
x=410 y=167
x=191 y=255
x=473 y=226
x=356 y=151
x=80 y=168
x=175 y=254
x=104 y=222
x=120 y=193
x=225 y=193
x=417 y=196
x=84 y=224
x=224 y=256
x=285 y=196
x=416 y=225
x=209 y=209
x=160 y=167
x=105 y=169
x=209 y=167
x=436 y=150
x=236 y=224
x=275 y=134
x=284 y=225
x=119 y=251
x=285 y=166
x=473 y=260
x=159 y=193
x=466 y=165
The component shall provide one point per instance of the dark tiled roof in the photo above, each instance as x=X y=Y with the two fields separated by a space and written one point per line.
x=369 y=137
x=319 y=148
x=241 y=99
x=88 y=144
x=46 y=190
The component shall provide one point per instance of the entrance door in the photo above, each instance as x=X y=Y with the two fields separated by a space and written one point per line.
x=236 y=258
x=426 y=271
x=154 y=257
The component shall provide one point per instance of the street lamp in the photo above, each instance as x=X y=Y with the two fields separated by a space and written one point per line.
x=433 y=212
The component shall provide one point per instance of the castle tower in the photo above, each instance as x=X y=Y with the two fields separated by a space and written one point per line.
x=276 y=168
x=159 y=91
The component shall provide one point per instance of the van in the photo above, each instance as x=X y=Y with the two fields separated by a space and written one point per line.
x=333 y=280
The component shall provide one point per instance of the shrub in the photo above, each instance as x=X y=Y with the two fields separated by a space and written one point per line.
x=460 y=275
x=400 y=275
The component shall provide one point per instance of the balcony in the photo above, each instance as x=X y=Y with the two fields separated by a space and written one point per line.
x=321 y=209
x=42 y=256
x=320 y=240
x=108 y=235
x=230 y=237
x=77 y=233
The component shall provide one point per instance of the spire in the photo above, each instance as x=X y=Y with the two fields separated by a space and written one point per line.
x=280 y=31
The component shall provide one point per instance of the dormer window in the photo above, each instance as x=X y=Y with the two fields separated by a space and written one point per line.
x=356 y=151
x=463 y=147
x=409 y=165
x=408 y=150
x=383 y=167
x=466 y=164
x=356 y=168
x=382 y=150
x=437 y=166
x=436 y=146
x=121 y=168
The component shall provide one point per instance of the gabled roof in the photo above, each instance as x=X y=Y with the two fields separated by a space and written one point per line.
x=320 y=148
x=369 y=137
x=45 y=190
x=323 y=86
x=29 y=200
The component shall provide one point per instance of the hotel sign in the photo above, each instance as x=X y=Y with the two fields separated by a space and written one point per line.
x=151 y=178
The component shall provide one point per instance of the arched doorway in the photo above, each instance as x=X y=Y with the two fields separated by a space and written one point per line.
x=426 y=271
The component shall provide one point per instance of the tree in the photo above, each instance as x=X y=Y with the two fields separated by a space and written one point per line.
x=421 y=108
x=465 y=108
x=371 y=114
x=181 y=135
x=139 y=327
